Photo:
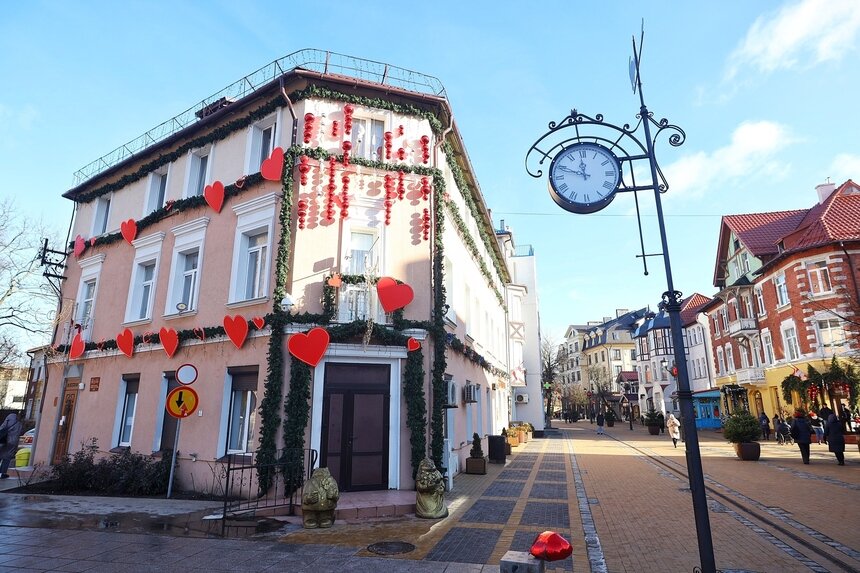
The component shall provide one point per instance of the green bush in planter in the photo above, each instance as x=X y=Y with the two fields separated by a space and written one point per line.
x=610 y=415
x=741 y=427
x=476 y=451
x=651 y=418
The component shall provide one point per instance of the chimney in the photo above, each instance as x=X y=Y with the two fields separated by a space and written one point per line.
x=606 y=319
x=619 y=312
x=824 y=191
x=502 y=225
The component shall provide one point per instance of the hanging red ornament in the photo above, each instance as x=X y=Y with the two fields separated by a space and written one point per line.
x=329 y=208
x=309 y=127
x=348 y=110
x=304 y=169
x=425 y=148
x=334 y=128
x=400 y=130
x=401 y=154
x=401 y=187
x=347 y=147
x=425 y=224
x=389 y=193
x=387 y=136
x=344 y=196
x=302 y=209
x=387 y=209
x=425 y=188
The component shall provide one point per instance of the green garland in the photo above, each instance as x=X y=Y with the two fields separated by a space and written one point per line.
x=416 y=407
x=270 y=421
x=440 y=360
x=793 y=383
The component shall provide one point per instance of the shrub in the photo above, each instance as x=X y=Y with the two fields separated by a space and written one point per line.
x=125 y=473
x=651 y=418
x=610 y=415
x=741 y=427
x=74 y=473
x=476 y=451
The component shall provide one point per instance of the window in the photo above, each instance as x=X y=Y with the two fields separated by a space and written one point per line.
x=745 y=262
x=87 y=291
x=748 y=306
x=616 y=336
x=142 y=290
x=819 y=278
x=198 y=170
x=831 y=333
x=721 y=363
x=262 y=140
x=187 y=257
x=362 y=252
x=724 y=318
x=730 y=358
x=100 y=220
x=88 y=296
x=767 y=345
x=617 y=370
x=716 y=325
x=129 y=406
x=745 y=358
x=251 y=251
x=157 y=192
x=616 y=354
x=242 y=411
x=735 y=310
x=789 y=337
x=367 y=138
x=759 y=297
x=781 y=289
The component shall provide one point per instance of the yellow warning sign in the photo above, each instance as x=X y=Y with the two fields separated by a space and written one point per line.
x=182 y=402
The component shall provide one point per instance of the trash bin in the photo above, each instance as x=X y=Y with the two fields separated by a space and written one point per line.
x=496 y=449
x=22 y=458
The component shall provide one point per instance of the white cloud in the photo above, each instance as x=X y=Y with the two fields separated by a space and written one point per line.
x=751 y=152
x=844 y=166
x=800 y=34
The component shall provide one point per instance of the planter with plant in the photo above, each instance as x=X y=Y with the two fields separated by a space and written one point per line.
x=476 y=463
x=529 y=430
x=742 y=430
x=513 y=439
x=507 y=442
x=652 y=421
x=610 y=417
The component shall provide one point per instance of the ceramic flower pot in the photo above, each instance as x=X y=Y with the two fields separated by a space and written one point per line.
x=748 y=451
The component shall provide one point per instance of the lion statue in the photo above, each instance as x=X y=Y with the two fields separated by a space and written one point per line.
x=430 y=499
x=319 y=500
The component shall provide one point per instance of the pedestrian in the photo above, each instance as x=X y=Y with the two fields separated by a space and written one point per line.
x=600 y=420
x=674 y=427
x=764 y=422
x=835 y=438
x=662 y=419
x=801 y=432
x=10 y=432
x=776 y=422
x=817 y=426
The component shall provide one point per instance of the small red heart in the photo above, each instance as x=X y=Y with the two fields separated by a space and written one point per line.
x=128 y=230
x=199 y=333
x=259 y=322
x=93 y=242
x=335 y=281
x=236 y=328
x=214 y=195
x=169 y=340
x=79 y=246
x=550 y=546
x=273 y=167
x=412 y=344
x=240 y=182
x=310 y=347
x=392 y=295
x=125 y=342
x=77 y=348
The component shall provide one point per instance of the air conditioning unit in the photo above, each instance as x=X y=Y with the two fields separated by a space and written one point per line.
x=452 y=398
x=522 y=398
x=470 y=393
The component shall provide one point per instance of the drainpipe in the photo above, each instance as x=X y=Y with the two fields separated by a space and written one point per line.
x=292 y=111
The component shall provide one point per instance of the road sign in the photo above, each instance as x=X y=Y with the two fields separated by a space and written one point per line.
x=182 y=402
x=186 y=374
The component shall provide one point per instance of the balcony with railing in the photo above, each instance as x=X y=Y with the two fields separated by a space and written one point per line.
x=743 y=327
x=359 y=302
x=750 y=375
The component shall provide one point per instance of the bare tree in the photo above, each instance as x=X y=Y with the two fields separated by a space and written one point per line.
x=549 y=367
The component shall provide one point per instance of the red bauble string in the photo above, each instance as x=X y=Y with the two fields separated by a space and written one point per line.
x=401 y=154
x=304 y=169
x=401 y=187
x=334 y=128
x=302 y=209
x=347 y=147
x=348 y=110
x=425 y=149
x=309 y=127
x=388 y=188
x=400 y=130
x=425 y=224
x=425 y=188
x=387 y=136
x=344 y=196
x=329 y=207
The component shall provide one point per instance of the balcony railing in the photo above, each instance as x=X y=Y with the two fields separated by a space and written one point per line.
x=742 y=326
x=358 y=302
x=750 y=375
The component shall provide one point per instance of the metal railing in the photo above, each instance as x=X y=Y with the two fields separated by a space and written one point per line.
x=749 y=375
x=284 y=481
x=359 y=302
x=742 y=324
x=320 y=61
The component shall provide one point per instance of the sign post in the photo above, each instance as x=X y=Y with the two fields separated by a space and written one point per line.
x=181 y=403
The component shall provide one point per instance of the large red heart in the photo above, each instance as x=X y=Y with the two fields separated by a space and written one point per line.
x=214 y=195
x=169 y=340
x=77 y=348
x=125 y=342
x=128 y=230
x=80 y=245
x=273 y=167
x=392 y=295
x=550 y=546
x=259 y=322
x=310 y=347
x=236 y=328
x=412 y=344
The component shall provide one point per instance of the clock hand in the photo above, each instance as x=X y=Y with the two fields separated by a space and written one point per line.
x=567 y=169
x=582 y=166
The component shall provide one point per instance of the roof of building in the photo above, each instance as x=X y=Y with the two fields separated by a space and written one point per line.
x=629 y=375
x=691 y=306
x=626 y=321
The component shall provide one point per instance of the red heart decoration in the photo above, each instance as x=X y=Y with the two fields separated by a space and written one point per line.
x=240 y=182
x=550 y=546
x=169 y=340
x=214 y=195
x=335 y=281
x=259 y=322
x=129 y=230
x=93 y=242
x=125 y=342
x=79 y=246
x=392 y=295
x=273 y=167
x=310 y=347
x=412 y=344
x=236 y=328
x=199 y=333
x=77 y=348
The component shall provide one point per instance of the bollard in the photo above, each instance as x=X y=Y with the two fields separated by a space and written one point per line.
x=521 y=562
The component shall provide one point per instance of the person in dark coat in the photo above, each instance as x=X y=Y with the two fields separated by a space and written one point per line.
x=9 y=446
x=662 y=419
x=764 y=422
x=835 y=438
x=600 y=419
x=801 y=431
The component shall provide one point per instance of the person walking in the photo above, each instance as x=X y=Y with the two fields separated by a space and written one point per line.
x=10 y=432
x=662 y=420
x=775 y=420
x=764 y=422
x=835 y=438
x=600 y=419
x=801 y=432
x=817 y=426
x=674 y=427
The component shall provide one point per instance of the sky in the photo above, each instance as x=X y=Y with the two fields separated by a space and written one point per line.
x=766 y=92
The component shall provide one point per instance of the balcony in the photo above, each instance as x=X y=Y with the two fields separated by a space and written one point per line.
x=750 y=375
x=743 y=327
x=358 y=302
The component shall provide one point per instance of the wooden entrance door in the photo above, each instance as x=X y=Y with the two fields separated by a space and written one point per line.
x=64 y=424
x=355 y=426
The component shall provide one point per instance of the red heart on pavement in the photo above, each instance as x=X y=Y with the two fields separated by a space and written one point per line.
x=77 y=348
x=273 y=167
x=214 y=195
x=310 y=347
x=236 y=328
x=392 y=295
x=412 y=344
x=169 y=340
x=128 y=230
x=550 y=546
x=259 y=322
x=125 y=342
x=79 y=246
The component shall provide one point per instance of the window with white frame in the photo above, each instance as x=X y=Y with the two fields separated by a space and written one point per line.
x=157 y=189
x=367 y=138
x=819 y=278
x=716 y=325
x=101 y=216
x=724 y=318
x=745 y=262
x=88 y=296
x=831 y=333
x=252 y=249
x=616 y=354
x=199 y=164
x=759 y=297
x=734 y=306
x=255 y=247
x=91 y=268
x=789 y=339
x=129 y=407
x=730 y=358
x=767 y=346
x=184 y=285
x=748 y=306
x=721 y=362
x=781 y=289
x=359 y=301
x=262 y=139
x=745 y=359
x=143 y=277
x=362 y=252
x=242 y=410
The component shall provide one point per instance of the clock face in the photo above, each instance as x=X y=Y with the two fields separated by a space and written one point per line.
x=584 y=177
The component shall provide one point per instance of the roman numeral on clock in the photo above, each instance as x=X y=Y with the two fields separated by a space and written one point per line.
x=563 y=187
x=607 y=184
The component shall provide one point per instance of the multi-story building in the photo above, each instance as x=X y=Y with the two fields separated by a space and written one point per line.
x=314 y=243
x=609 y=349
x=788 y=297
x=570 y=363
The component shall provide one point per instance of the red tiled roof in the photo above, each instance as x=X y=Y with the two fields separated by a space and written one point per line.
x=690 y=307
x=760 y=232
x=837 y=219
x=629 y=376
